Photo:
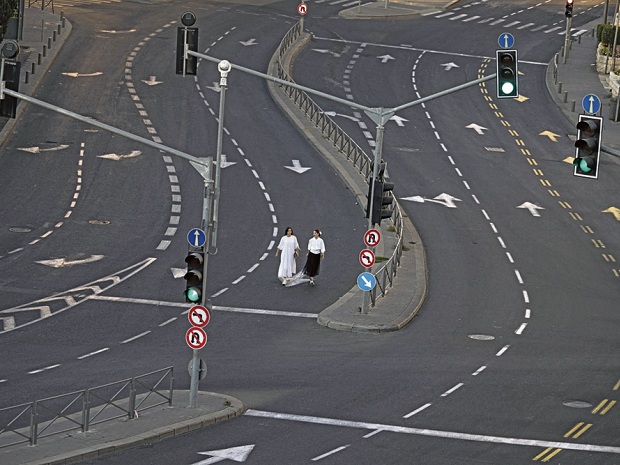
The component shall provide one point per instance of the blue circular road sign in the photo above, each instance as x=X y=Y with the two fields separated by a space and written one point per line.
x=366 y=281
x=506 y=40
x=591 y=104
x=196 y=237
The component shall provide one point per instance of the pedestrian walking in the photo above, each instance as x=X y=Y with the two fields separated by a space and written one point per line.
x=288 y=248
x=316 y=253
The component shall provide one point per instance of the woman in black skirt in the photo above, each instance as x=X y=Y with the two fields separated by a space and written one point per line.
x=316 y=252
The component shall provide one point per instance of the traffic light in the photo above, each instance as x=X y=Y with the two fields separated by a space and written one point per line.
x=10 y=80
x=189 y=66
x=588 y=146
x=194 y=277
x=507 y=74
x=382 y=201
x=569 y=9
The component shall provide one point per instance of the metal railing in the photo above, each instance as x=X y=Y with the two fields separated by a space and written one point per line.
x=349 y=148
x=76 y=410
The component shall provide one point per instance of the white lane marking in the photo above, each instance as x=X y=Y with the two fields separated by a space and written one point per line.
x=81 y=357
x=433 y=433
x=167 y=321
x=162 y=303
x=135 y=337
x=371 y=434
x=526 y=297
x=331 y=452
x=416 y=411
x=451 y=390
x=479 y=370
x=519 y=277
x=34 y=372
x=519 y=331
x=502 y=350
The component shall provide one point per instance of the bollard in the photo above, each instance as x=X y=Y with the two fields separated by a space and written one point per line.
x=54 y=36
x=26 y=78
x=559 y=87
x=39 y=59
x=579 y=39
x=58 y=29
x=44 y=51
x=573 y=107
x=63 y=23
x=49 y=43
x=617 y=107
x=565 y=96
x=33 y=67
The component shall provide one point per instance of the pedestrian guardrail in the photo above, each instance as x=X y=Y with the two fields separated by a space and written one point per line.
x=79 y=410
x=349 y=148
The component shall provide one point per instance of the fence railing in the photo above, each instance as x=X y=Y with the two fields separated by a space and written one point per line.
x=349 y=148
x=32 y=421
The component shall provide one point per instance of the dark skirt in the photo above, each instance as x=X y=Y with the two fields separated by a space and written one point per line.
x=313 y=263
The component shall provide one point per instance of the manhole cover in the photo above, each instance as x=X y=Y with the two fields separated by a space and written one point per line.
x=577 y=404
x=20 y=230
x=99 y=222
x=481 y=337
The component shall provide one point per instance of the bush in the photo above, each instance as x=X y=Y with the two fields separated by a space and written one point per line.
x=7 y=7
x=606 y=33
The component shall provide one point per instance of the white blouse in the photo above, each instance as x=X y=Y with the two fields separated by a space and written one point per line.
x=316 y=245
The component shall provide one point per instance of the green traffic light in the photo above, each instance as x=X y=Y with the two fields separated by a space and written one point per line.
x=583 y=165
x=508 y=88
x=192 y=294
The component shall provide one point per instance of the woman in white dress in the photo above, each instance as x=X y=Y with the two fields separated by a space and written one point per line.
x=289 y=248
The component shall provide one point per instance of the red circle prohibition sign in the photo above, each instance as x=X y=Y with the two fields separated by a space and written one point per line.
x=302 y=9
x=367 y=258
x=196 y=338
x=199 y=316
x=372 y=237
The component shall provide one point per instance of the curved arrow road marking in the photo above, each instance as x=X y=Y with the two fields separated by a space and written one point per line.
x=39 y=149
x=116 y=157
x=614 y=211
x=75 y=75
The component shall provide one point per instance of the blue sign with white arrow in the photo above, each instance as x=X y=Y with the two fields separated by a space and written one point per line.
x=506 y=40
x=366 y=281
x=196 y=237
x=591 y=104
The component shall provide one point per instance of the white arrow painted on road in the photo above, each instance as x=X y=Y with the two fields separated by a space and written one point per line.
x=333 y=113
x=297 y=167
x=322 y=50
x=476 y=127
x=178 y=272
x=116 y=157
x=224 y=163
x=74 y=75
x=399 y=120
x=386 y=58
x=215 y=87
x=449 y=66
x=444 y=199
x=248 y=42
x=236 y=454
x=62 y=262
x=152 y=81
x=39 y=149
x=531 y=207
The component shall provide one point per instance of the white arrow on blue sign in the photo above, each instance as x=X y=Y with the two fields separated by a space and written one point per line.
x=196 y=237
x=591 y=104
x=506 y=40
x=366 y=281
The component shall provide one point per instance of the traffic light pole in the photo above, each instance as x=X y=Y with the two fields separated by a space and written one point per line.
x=380 y=119
x=569 y=22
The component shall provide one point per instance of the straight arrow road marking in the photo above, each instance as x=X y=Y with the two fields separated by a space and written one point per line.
x=550 y=135
x=248 y=42
x=449 y=66
x=322 y=50
x=236 y=454
x=614 y=211
x=39 y=149
x=116 y=157
x=297 y=167
x=531 y=207
x=443 y=199
x=476 y=127
x=386 y=58
x=152 y=81
x=400 y=121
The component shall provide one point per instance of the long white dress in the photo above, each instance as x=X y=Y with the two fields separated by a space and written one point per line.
x=288 y=267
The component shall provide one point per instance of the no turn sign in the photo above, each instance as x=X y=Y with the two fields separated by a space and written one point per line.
x=367 y=258
x=196 y=338
x=372 y=237
x=302 y=9
x=199 y=316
